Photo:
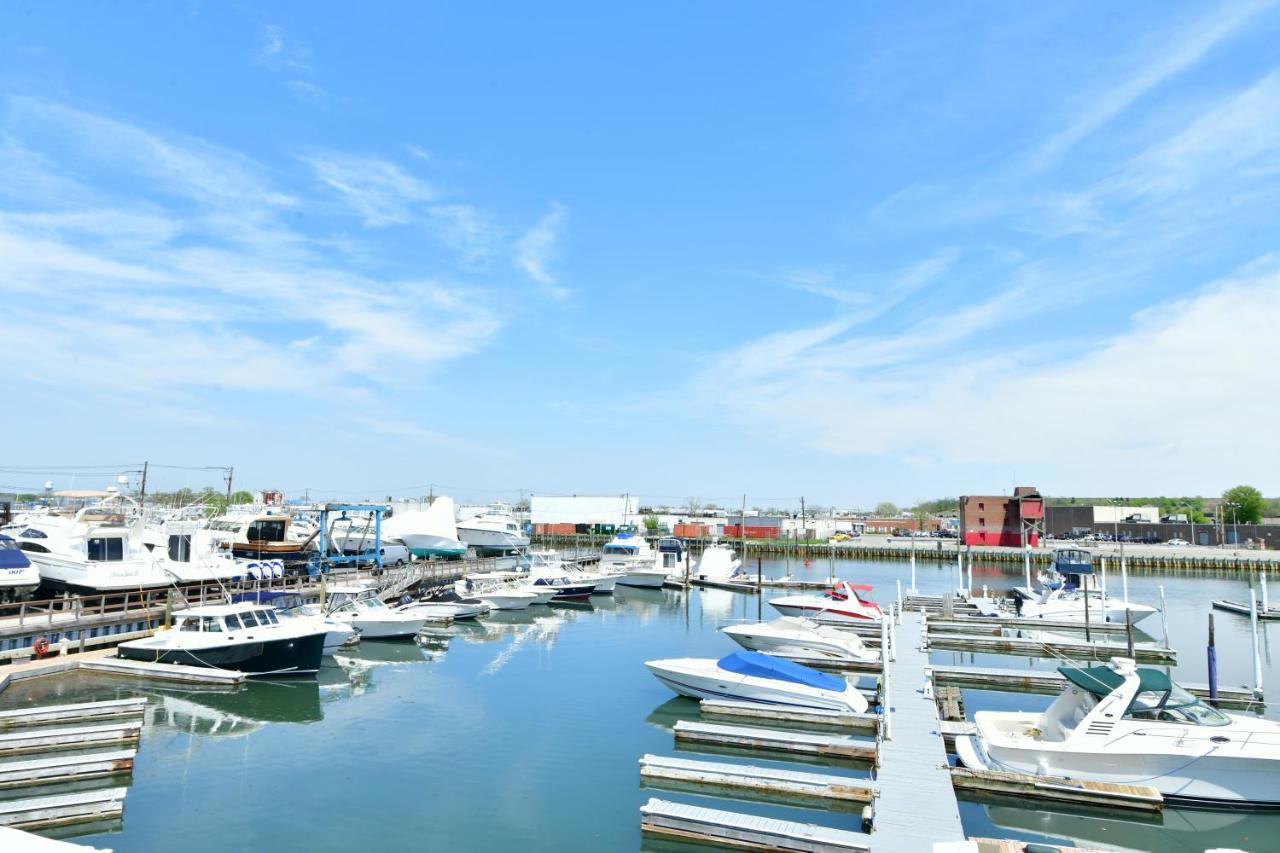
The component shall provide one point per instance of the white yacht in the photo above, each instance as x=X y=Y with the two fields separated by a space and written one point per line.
x=248 y=638
x=753 y=677
x=429 y=531
x=445 y=605
x=547 y=571
x=1127 y=725
x=362 y=609
x=719 y=563
x=630 y=556
x=493 y=533
x=189 y=552
x=19 y=577
x=792 y=636
x=97 y=547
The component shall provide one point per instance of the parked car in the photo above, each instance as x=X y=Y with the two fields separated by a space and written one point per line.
x=1176 y=541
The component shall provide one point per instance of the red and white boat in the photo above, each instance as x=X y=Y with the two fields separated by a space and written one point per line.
x=842 y=604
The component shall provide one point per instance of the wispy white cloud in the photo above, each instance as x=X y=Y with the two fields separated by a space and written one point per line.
x=192 y=279
x=378 y=190
x=538 y=249
x=282 y=54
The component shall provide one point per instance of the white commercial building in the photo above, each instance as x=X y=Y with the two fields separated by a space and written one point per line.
x=581 y=509
x=1121 y=514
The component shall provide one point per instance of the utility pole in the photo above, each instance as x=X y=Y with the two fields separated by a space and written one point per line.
x=230 y=475
x=803 y=526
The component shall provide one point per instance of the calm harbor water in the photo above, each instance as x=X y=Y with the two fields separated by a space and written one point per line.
x=525 y=730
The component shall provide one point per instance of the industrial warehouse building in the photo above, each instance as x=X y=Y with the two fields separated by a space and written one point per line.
x=582 y=513
x=1001 y=519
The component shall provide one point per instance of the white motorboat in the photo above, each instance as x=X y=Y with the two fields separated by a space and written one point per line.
x=499 y=596
x=1127 y=725
x=753 y=677
x=362 y=609
x=603 y=583
x=516 y=580
x=263 y=533
x=495 y=532
x=719 y=563
x=1064 y=594
x=794 y=636
x=244 y=637
x=629 y=556
x=547 y=571
x=446 y=604
x=290 y=606
x=93 y=544
x=18 y=575
x=842 y=604
x=429 y=531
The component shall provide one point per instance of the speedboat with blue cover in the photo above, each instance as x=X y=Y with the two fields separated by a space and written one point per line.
x=1066 y=592
x=18 y=577
x=1131 y=725
x=753 y=677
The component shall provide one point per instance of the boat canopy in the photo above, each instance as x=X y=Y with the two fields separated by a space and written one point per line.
x=1101 y=680
x=11 y=556
x=1072 y=561
x=765 y=666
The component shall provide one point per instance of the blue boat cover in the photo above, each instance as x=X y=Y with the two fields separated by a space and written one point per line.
x=764 y=666
x=11 y=556
x=261 y=596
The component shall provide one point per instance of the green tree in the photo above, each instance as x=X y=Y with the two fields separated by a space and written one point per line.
x=1246 y=505
x=242 y=497
x=650 y=522
x=922 y=515
x=887 y=509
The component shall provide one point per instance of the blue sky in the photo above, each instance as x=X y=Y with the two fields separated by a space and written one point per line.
x=845 y=251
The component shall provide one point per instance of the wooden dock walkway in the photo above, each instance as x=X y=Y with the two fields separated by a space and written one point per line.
x=772 y=740
x=63 y=809
x=1031 y=648
x=813 y=717
x=916 y=805
x=683 y=773
x=77 y=713
x=746 y=832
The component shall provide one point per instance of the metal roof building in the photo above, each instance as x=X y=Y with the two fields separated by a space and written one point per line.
x=582 y=509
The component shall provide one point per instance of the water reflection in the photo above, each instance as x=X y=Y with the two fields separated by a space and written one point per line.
x=1175 y=830
x=239 y=712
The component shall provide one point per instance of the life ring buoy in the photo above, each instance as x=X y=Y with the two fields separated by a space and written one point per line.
x=40 y=647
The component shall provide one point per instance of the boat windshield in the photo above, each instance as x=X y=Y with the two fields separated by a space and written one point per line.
x=1174 y=706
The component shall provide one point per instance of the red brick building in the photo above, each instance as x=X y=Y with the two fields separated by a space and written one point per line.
x=1000 y=519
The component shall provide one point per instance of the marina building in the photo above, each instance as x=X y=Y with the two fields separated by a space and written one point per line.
x=1002 y=519
x=593 y=512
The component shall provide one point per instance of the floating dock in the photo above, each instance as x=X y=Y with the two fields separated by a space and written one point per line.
x=813 y=717
x=63 y=809
x=1051 y=681
x=66 y=768
x=1024 y=647
x=916 y=805
x=77 y=737
x=746 y=832
x=682 y=772
x=994 y=625
x=163 y=671
x=772 y=740
x=1243 y=609
x=79 y=713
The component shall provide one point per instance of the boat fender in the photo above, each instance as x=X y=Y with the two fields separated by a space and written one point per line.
x=40 y=647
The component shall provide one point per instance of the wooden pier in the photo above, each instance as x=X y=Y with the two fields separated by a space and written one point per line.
x=1058 y=789
x=916 y=804
x=683 y=773
x=164 y=671
x=746 y=832
x=773 y=740
x=811 y=717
